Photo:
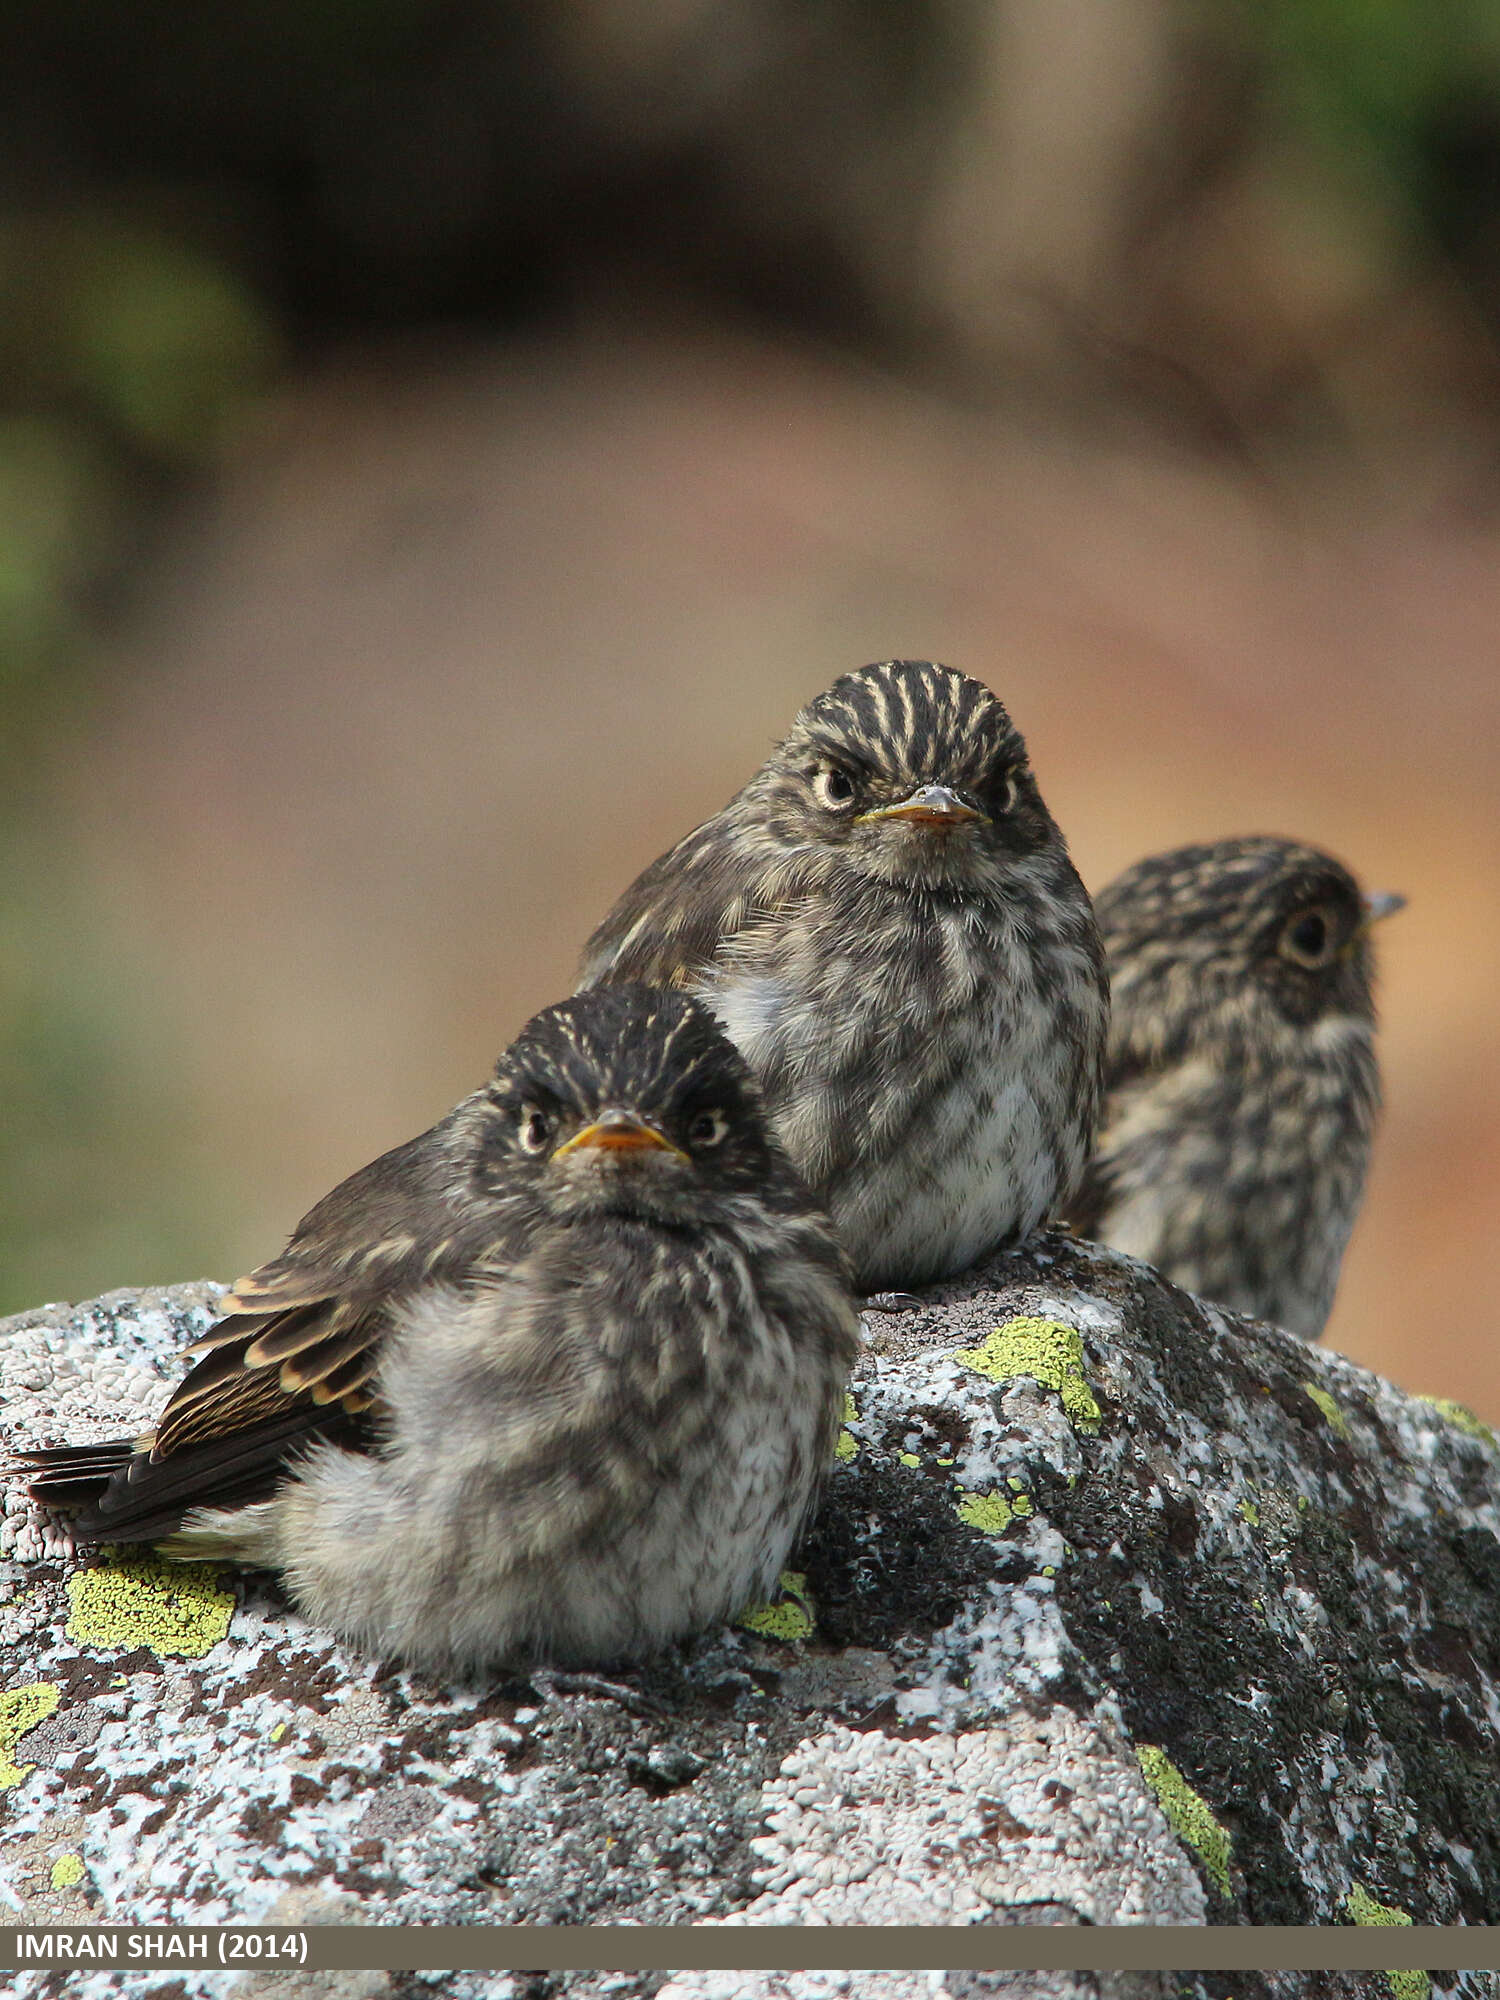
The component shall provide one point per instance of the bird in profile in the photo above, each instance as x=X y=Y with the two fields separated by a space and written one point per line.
x=887 y=924
x=1242 y=1079
x=554 y=1382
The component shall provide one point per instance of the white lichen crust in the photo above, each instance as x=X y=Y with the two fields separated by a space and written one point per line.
x=960 y=1829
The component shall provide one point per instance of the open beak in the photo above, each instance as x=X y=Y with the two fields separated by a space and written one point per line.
x=617 y=1131
x=1382 y=903
x=929 y=805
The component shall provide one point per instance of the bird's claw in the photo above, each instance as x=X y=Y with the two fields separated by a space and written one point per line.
x=890 y=1302
x=550 y=1685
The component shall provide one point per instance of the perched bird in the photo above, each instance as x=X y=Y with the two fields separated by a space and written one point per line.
x=1243 y=1085
x=886 y=921
x=554 y=1382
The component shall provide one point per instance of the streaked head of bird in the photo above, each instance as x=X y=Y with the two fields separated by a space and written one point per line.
x=1253 y=936
x=625 y=1100
x=908 y=772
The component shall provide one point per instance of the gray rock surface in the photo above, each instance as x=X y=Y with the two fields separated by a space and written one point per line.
x=1118 y=1610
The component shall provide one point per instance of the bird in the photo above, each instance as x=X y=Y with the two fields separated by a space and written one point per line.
x=1243 y=1084
x=555 y=1382
x=886 y=922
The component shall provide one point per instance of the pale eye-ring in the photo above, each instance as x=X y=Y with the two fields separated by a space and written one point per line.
x=536 y=1129
x=1310 y=939
x=1004 y=791
x=708 y=1128
x=833 y=788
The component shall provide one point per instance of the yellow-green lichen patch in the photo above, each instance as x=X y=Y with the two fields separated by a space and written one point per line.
x=1250 y=1512
x=67 y=1871
x=991 y=1513
x=1462 y=1419
x=790 y=1618
x=1048 y=1351
x=1332 y=1414
x=174 y=1609
x=909 y=1458
x=846 y=1444
x=21 y=1709
x=1360 y=1907
x=1187 y=1814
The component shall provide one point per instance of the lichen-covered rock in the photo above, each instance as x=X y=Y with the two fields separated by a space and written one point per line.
x=1118 y=1609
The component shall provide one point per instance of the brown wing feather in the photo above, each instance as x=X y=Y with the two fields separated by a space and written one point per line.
x=323 y=1355
x=386 y=1226
x=345 y=1383
x=667 y=926
x=320 y=1308
x=292 y=1360
x=227 y=1428
x=312 y=1366
x=297 y=1337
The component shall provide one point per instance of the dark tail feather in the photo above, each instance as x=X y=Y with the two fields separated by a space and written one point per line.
x=149 y=1497
x=73 y=1475
x=142 y=1524
x=113 y=1449
x=116 y=1492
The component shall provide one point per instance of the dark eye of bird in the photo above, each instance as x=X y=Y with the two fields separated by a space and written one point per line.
x=1308 y=939
x=707 y=1128
x=833 y=788
x=1003 y=792
x=536 y=1129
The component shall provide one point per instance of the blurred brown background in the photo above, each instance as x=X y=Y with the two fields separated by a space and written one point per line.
x=441 y=445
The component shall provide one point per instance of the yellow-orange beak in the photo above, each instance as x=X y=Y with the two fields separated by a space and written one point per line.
x=929 y=805
x=618 y=1132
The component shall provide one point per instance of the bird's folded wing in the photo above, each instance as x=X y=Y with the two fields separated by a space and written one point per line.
x=292 y=1359
x=309 y=1324
x=669 y=924
x=270 y=1385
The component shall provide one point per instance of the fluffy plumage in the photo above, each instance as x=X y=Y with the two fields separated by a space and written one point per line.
x=555 y=1381
x=886 y=921
x=1242 y=1078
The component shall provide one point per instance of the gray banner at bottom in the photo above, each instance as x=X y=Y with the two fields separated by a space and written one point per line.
x=722 y=1947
